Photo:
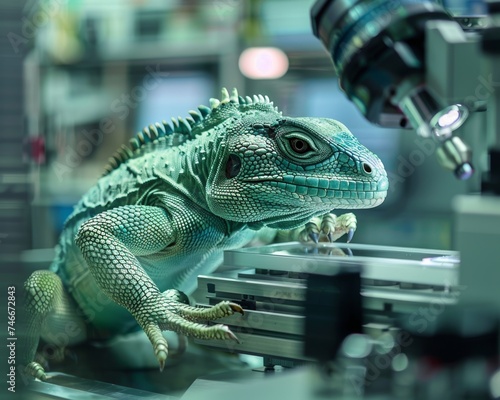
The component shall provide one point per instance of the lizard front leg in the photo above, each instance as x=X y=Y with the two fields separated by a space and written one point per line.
x=327 y=227
x=110 y=242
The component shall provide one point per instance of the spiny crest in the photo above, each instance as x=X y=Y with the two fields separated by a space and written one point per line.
x=163 y=135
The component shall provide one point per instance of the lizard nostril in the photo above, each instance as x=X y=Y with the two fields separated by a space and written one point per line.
x=367 y=168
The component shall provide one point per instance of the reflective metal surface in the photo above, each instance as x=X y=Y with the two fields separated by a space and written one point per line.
x=270 y=283
x=62 y=386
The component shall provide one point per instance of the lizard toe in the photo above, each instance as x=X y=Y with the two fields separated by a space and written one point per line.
x=36 y=370
x=311 y=232
x=337 y=227
x=161 y=354
x=220 y=310
x=328 y=223
x=160 y=345
x=236 y=308
x=224 y=333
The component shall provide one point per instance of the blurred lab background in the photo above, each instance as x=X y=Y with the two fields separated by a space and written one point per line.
x=81 y=77
x=78 y=78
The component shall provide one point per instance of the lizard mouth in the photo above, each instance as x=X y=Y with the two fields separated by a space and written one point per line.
x=361 y=194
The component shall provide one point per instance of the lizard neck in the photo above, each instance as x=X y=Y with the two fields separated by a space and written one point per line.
x=198 y=159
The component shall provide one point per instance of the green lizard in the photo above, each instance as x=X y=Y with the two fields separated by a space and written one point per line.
x=173 y=200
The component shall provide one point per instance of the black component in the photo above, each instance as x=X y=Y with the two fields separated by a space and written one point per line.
x=491 y=180
x=210 y=288
x=277 y=272
x=493 y=7
x=457 y=334
x=247 y=304
x=490 y=39
x=333 y=311
x=148 y=24
x=375 y=45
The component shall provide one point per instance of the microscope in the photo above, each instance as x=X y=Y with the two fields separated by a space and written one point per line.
x=409 y=64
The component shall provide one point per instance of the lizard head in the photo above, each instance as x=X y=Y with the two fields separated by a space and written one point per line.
x=281 y=171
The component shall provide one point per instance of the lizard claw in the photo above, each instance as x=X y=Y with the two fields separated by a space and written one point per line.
x=230 y=335
x=168 y=313
x=350 y=234
x=314 y=236
x=310 y=232
x=161 y=357
x=236 y=308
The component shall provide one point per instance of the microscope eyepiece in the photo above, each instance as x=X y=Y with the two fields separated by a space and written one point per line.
x=376 y=46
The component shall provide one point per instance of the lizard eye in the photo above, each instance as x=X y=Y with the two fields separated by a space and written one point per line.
x=299 y=146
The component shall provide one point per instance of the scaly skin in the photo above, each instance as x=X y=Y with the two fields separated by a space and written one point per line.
x=172 y=202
